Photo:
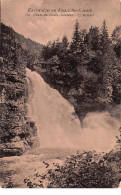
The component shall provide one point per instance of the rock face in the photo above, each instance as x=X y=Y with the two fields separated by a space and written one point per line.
x=17 y=132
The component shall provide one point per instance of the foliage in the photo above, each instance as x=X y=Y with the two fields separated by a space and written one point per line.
x=93 y=53
x=83 y=170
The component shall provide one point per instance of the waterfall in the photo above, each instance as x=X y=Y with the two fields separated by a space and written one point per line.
x=56 y=122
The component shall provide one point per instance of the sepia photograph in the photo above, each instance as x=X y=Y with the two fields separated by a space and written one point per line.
x=60 y=94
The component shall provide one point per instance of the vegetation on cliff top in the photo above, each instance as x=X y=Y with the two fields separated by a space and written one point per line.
x=90 y=62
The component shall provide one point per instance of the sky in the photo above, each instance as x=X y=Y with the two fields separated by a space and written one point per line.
x=48 y=28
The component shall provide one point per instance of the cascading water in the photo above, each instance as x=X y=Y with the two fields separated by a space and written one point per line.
x=57 y=125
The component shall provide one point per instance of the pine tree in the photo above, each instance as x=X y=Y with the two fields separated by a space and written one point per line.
x=108 y=61
x=104 y=39
x=93 y=38
x=75 y=45
x=65 y=43
x=116 y=39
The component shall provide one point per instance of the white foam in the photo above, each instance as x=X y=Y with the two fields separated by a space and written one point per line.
x=57 y=125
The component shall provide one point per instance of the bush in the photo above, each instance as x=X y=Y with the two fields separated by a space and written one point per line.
x=85 y=170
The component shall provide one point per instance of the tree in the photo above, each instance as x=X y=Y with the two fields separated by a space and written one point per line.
x=116 y=34
x=46 y=51
x=75 y=44
x=108 y=62
x=93 y=38
x=116 y=39
x=65 y=43
x=63 y=48
x=105 y=41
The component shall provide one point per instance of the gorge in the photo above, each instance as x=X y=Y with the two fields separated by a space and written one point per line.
x=46 y=114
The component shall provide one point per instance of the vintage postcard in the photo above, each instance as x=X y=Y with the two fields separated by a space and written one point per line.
x=60 y=93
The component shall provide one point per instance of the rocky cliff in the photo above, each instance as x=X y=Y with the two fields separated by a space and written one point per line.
x=17 y=131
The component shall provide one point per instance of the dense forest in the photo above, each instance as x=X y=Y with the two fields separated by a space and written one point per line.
x=86 y=70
